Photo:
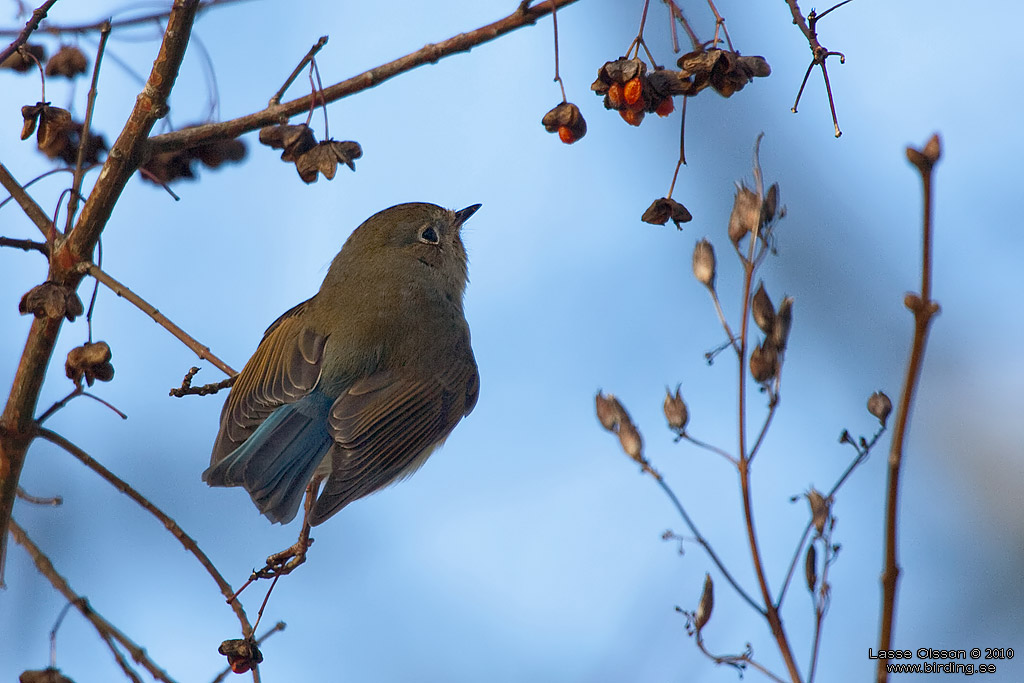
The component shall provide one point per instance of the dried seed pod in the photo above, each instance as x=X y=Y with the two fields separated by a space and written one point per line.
x=819 y=510
x=91 y=362
x=665 y=208
x=324 y=158
x=21 y=61
x=764 y=362
x=665 y=108
x=567 y=121
x=675 y=411
x=811 y=568
x=770 y=204
x=51 y=300
x=242 y=654
x=779 y=336
x=609 y=411
x=706 y=604
x=927 y=157
x=214 y=154
x=632 y=117
x=880 y=406
x=763 y=310
x=632 y=442
x=704 y=263
x=746 y=214
x=49 y=675
x=294 y=140
x=68 y=61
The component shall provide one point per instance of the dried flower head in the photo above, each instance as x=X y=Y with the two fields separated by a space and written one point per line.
x=811 y=568
x=819 y=510
x=631 y=441
x=91 y=362
x=704 y=263
x=609 y=411
x=779 y=336
x=706 y=604
x=746 y=213
x=665 y=208
x=48 y=675
x=628 y=89
x=566 y=120
x=294 y=140
x=675 y=410
x=242 y=654
x=880 y=406
x=764 y=362
x=725 y=71
x=324 y=158
x=68 y=61
x=763 y=310
x=21 y=60
x=51 y=300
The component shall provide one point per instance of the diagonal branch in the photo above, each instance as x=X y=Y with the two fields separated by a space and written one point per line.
x=31 y=25
x=463 y=42
x=124 y=487
x=16 y=421
x=107 y=631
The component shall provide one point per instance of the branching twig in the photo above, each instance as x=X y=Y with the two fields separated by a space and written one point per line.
x=31 y=25
x=276 y=99
x=27 y=204
x=168 y=523
x=186 y=388
x=120 y=23
x=924 y=309
x=737 y=661
x=463 y=42
x=106 y=630
x=820 y=53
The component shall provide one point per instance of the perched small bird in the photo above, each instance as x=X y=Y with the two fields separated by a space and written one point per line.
x=363 y=381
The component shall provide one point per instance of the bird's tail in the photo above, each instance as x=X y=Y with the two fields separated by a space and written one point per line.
x=277 y=461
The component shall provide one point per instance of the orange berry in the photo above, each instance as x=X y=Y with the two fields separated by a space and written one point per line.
x=615 y=95
x=633 y=90
x=666 y=107
x=565 y=135
x=631 y=117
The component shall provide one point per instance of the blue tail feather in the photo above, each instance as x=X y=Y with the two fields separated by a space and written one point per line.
x=277 y=461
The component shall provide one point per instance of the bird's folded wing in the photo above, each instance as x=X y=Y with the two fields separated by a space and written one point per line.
x=386 y=425
x=285 y=367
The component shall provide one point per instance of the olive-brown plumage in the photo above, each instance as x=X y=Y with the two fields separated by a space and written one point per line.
x=364 y=380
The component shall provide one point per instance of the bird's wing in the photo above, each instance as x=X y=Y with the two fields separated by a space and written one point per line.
x=285 y=368
x=386 y=425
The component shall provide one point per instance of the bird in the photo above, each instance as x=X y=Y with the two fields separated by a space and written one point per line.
x=359 y=384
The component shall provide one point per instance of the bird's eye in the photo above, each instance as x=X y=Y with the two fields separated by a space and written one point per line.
x=429 y=235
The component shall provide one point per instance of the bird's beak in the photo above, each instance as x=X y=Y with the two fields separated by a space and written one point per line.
x=463 y=215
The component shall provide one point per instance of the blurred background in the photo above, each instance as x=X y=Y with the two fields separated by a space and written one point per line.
x=529 y=548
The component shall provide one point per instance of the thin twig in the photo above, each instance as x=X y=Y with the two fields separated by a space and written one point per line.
x=186 y=388
x=736 y=661
x=168 y=523
x=52 y=501
x=276 y=99
x=31 y=25
x=923 y=309
x=558 y=78
x=107 y=631
x=700 y=537
x=83 y=138
x=463 y=42
x=707 y=446
x=27 y=204
x=25 y=245
x=123 y=291
x=120 y=23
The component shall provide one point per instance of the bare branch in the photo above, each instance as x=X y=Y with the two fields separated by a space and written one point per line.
x=27 y=204
x=107 y=631
x=165 y=520
x=463 y=42
x=31 y=25
x=124 y=292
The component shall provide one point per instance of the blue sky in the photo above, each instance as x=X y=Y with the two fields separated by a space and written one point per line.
x=528 y=548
